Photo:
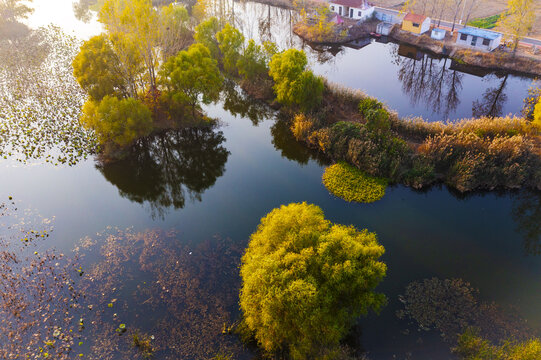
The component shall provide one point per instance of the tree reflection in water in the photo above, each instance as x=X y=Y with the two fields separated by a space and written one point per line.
x=239 y=104
x=428 y=79
x=284 y=141
x=493 y=100
x=166 y=168
x=527 y=216
x=178 y=296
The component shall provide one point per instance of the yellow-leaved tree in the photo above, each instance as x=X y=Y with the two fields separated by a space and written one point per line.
x=305 y=281
x=519 y=20
x=537 y=113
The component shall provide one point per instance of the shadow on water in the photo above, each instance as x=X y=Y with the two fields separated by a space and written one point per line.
x=526 y=213
x=165 y=169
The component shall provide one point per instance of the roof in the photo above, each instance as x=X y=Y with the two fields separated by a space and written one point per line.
x=485 y=34
x=358 y=4
x=416 y=18
x=437 y=30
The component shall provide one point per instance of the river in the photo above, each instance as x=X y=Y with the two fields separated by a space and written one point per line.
x=199 y=186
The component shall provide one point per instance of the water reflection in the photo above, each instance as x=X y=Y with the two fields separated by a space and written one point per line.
x=283 y=140
x=239 y=104
x=165 y=169
x=492 y=102
x=527 y=216
x=429 y=80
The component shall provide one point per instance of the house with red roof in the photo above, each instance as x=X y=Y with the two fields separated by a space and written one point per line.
x=416 y=23
x=353 y=9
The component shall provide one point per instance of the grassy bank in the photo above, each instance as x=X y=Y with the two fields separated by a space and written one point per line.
x=472 y=154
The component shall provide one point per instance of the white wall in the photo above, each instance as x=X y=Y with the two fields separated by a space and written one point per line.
x=425 y=26
x=479 y=43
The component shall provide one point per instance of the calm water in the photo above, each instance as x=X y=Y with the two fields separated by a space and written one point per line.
x=221 y=182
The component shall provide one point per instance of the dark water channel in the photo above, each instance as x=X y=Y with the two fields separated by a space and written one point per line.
x=187 y=189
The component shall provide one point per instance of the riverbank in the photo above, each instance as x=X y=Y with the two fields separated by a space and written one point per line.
x=497 y=60
x=473 y=154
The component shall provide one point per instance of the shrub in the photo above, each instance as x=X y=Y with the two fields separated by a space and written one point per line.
x=377 y=120
x=369 y=103
x=118 y=122
x=351 y=184
x=301 y=127
x=471 y=346
x=305 y=281
x=537 y=114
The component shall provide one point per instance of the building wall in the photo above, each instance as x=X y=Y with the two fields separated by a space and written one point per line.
x=339 y=9
x=345 y=11
x=478 y=44
x=424 y=27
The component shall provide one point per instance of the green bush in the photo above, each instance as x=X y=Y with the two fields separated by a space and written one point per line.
x=377 y=120
x=367 y=104
x=351 y=184
x=305 y=281
x=471 y=346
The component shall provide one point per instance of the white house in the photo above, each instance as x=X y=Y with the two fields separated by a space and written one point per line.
x=479 y=38
x=384 y=28
x=438 y=34
x=353 y=9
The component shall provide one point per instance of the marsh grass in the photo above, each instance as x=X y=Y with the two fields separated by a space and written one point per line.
x=351 y=184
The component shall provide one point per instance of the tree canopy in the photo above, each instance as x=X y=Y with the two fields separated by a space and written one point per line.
x=292 y=83
x=117 y=121
x=205 y=33
x=537 y=114
x=519 y=19
x=231 y=42
x=191 y=74
x=305 y=280
x=96 y=68
x=255 y=59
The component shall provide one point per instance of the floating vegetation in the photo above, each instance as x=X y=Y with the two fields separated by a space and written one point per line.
x=170 y=300
x=452 y=305
x=39 y=302
x=351 y=184
x=41 y=101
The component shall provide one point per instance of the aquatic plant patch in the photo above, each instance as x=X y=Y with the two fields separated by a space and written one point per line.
x=351 y=184
x=41 y=101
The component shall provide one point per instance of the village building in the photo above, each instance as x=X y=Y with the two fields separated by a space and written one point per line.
x=353 y=9
x=384 y=28
x=438 y=34
x=478 y=38
x=416 y=23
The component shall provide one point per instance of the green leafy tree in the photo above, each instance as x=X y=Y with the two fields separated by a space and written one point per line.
x=97 y=69
x=253 y=63
x=192 y=74
x=117 y=122
x=205 y=33
x=285 y=68
x=519 y=20
x=305 y=281
x=292 y=83
x=230 y=41
x=308 y=90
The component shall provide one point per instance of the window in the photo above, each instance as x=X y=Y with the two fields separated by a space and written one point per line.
x=332 y=7
x=360 y=13
x=486 y=42
x=463 y=37
x=416 y=25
